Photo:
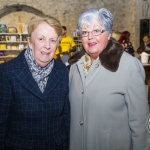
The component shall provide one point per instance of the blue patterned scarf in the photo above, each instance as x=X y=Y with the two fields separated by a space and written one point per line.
x=39 y=74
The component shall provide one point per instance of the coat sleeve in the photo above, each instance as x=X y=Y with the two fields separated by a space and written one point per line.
x=5 y=106
x=137 y=104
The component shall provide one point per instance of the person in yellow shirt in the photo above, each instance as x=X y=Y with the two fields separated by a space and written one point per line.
x=66 y=47
x=57 y=54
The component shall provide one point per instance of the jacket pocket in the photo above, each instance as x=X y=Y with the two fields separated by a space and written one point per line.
x=17 y=143
x=61 y=136
x=108 y=141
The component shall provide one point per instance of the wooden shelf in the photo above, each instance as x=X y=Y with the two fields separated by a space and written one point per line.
x=3 y=57
x=12 y=44
x=11 y=50
x=13 y=33
x=6 y=58
x=78 y=42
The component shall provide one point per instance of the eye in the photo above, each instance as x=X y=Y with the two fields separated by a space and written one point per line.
x=53 y=40
x=96 y=31
x=41 y=39
x=84 y=33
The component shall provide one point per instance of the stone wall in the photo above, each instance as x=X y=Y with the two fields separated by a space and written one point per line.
x=127 y=13
x=138 y=16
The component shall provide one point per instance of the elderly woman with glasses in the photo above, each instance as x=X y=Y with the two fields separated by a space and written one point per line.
x=34 y=105
x=109 y=106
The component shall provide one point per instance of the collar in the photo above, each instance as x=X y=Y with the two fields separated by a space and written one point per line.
x=109 y=57
x=20 y=61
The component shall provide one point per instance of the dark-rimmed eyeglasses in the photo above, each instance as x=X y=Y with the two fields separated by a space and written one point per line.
x=95 y=32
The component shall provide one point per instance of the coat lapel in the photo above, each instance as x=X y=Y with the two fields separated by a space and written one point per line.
x=96 y=66
x=92 y=72
x=24 y=76
x=81 y=71
x=54 y=78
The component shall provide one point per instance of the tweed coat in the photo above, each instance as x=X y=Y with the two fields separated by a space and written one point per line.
x=109 y=107
x=30 y=119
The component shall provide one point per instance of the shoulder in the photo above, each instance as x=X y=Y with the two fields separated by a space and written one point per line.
x=17 y=61
x=7 y=69
x=142 y=44
x=72 y=72
x=72 y=69
x=148 y=44
x=127 y=58
x=7 y=66
x=72 y=66
x=130 y=64
x=69 y=37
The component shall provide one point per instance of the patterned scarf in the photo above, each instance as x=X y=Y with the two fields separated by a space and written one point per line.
x=87 y=64
x=39 y=74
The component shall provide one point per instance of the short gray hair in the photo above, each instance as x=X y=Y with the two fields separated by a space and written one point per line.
x=103 y=16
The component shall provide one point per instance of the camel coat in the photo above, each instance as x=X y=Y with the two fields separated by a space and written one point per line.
x=109 y=109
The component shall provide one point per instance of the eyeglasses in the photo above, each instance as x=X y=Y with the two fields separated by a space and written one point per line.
x=95 y=32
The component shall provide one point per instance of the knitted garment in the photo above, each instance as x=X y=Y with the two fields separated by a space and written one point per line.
x=39 y=74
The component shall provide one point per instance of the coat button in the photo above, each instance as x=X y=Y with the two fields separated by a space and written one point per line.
x=81 y=91
x=81 y=123
x=96 y=65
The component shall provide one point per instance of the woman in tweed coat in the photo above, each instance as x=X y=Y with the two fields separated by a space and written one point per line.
x=34 y=105
x=109 y=106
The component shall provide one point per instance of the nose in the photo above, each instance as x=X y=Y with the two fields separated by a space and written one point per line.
x=47 y=44
x=90 y=35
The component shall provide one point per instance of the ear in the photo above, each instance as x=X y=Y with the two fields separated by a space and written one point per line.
x=29 y=43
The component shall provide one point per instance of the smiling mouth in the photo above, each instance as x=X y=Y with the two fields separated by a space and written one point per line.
x=91 y=44
x=45 y=53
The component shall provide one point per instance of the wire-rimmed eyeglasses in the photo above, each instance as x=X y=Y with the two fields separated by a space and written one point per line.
x=95 y=32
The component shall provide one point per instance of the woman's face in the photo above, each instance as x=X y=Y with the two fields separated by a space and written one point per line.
x=43 y=43
x=145 y=39
x=92 y=44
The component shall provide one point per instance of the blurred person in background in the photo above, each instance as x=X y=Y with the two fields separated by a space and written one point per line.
x=124 y=40
x=34 y=105
x=145 y=44
x=66 y=47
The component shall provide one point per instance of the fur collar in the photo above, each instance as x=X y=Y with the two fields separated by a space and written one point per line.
x=109 y=57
